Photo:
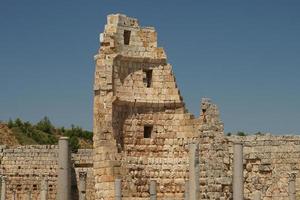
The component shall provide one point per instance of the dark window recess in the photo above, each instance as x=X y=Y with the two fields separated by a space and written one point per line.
x=147 y=78
x=97 y=92
x=126 y=37
x=148 y=131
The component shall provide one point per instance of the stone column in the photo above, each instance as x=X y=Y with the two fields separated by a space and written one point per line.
x=64 y=172
x=3 y=187
x=257 y=195
x=186 y=190
x=194 y=170
x=238 y=172
x=29 y=195
x=82 y=185
x=292 y=186
x=14 y=194
x=153 y=190
x=44 y=188
x=118 y=189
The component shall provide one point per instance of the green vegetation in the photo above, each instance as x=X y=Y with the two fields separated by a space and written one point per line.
x=228 y=134
x=259 y=133
x=241 y=133
x=44 y=132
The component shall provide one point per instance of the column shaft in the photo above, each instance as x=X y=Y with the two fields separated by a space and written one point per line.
x=186 y=191
x=29 y=195
x=64 y=173
x=44 y=189
x=3 y=187
x=118 y=189
x=194 y=170
x=257 y=195
x=153 y=190
x=82 y=185
x=238 y=172
x=292 y=186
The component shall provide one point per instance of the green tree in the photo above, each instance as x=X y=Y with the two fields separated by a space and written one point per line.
x=10 y=123
x=18 y=122
x=259 y=133
x=228 y=134
x=240 y=133
x=74 y=143
x=27 y=128
x=45 y=125
x=62 y=129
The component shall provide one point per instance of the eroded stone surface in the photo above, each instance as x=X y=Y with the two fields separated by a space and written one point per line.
x=26 y=167
x=142 y=131
x=142 y=128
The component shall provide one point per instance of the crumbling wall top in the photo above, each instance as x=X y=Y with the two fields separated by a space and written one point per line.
x=122 y=20
x=210 y=116
x=123 y=36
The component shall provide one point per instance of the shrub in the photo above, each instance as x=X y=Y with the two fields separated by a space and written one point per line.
x=10 y=123
x=74 y=143
x=45 y=125
x=240 y=133
x=228 y=134
x=18 y=122
x=45 y=133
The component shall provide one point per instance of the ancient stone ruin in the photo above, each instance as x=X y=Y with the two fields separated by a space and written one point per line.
x=146 y=144
x=143 y=132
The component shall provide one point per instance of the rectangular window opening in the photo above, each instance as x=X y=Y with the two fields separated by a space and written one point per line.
x=126 y=37
x=147 y=78
x=148 y=131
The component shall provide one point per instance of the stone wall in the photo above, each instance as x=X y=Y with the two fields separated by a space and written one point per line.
x=135 y=89
x=142 y=133
x=142 y=128
x=24 y=168
x=268 y=162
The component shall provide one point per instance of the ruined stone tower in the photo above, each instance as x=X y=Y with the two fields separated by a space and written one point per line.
x=143 y=132
x=146 y=140
x=141 y=125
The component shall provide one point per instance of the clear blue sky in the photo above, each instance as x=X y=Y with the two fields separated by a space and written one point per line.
x=245 y=55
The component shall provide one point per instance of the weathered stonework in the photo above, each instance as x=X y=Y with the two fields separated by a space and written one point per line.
x=26 y=167
x=145 y=139
x=125 y=105
x=268 y=162
x=142 y=129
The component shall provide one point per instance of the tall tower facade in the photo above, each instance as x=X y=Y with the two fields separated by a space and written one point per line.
x=141 y=126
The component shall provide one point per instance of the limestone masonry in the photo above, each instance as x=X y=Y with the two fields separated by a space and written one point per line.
x=147 y=145
x=142 y=130
x=25 y=168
